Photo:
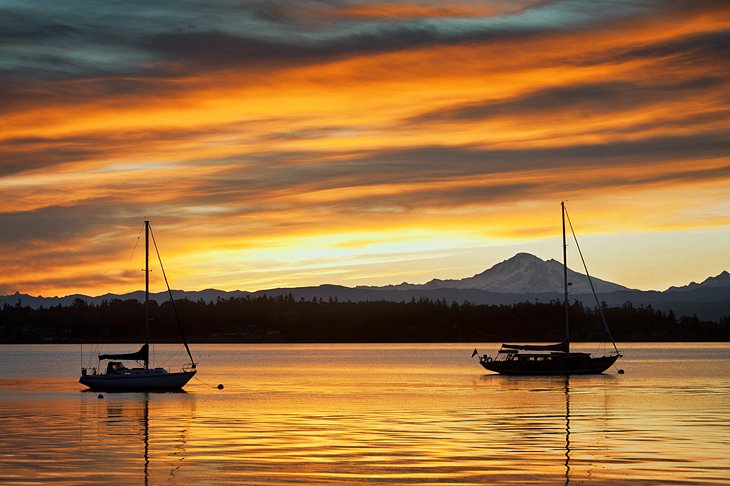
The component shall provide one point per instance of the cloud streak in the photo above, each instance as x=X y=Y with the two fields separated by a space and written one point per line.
x=603 y=97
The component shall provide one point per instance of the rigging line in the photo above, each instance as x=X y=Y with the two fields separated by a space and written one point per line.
x=134 y=249
x=172 y=300
x=173 y=359
x=206 y=384
x=590 y=281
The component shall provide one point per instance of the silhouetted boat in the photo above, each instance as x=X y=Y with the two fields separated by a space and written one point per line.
x=118 y=377
x=552 y=359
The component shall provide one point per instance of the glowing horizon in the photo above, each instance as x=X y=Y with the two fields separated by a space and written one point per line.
x=361 y=143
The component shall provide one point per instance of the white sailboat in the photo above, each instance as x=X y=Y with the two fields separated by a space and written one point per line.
x=118 y=377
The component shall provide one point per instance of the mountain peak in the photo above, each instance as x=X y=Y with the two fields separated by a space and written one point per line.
x=525 y=273
x=525 y=256
x=519 y=261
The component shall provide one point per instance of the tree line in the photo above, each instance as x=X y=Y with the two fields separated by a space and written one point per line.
x=285 y=319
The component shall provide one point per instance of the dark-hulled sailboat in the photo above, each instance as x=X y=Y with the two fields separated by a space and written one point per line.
x=552 y=359
x=120 y=378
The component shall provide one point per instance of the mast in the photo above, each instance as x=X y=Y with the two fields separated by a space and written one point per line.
x=147 y=287
x=565 y=280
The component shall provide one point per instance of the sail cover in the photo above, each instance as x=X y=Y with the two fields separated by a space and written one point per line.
x=539 y=347
x=141 y=355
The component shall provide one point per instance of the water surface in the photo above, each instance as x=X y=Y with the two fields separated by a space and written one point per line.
x=363 y=414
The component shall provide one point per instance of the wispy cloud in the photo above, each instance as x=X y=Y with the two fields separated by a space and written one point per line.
x=592 y=98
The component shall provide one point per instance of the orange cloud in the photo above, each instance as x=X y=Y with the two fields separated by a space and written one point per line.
x=412 y=11
x=352 y=149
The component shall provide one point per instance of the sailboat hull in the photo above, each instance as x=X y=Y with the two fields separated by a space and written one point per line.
x=138 y=380
x=568 y=364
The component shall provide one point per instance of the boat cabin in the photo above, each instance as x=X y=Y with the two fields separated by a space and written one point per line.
x=515 y=355
x=115 y=367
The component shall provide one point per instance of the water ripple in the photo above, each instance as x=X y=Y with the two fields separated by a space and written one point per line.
x=333 y=422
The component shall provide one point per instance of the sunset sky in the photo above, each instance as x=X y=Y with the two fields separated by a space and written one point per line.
x=352 y=142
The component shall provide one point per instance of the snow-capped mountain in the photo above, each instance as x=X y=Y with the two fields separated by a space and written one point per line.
x=523 y=274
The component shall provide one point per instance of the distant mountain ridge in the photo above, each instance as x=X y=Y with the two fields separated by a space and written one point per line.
x=720 y=281
x=521 y=278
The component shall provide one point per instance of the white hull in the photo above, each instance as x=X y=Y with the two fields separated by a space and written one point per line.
x=138 y=379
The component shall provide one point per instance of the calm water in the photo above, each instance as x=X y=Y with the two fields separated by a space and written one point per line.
x=363 y=414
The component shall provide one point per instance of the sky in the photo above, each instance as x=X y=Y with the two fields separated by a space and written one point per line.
x=280 y=144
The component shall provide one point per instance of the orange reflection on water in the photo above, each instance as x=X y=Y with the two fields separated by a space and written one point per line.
x=420 y=414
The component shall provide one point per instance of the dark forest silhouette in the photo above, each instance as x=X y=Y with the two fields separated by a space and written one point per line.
x=284 y=319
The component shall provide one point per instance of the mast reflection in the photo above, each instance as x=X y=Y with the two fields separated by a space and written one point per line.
x=146 y=423
x=131 y=419
x=567 y=429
